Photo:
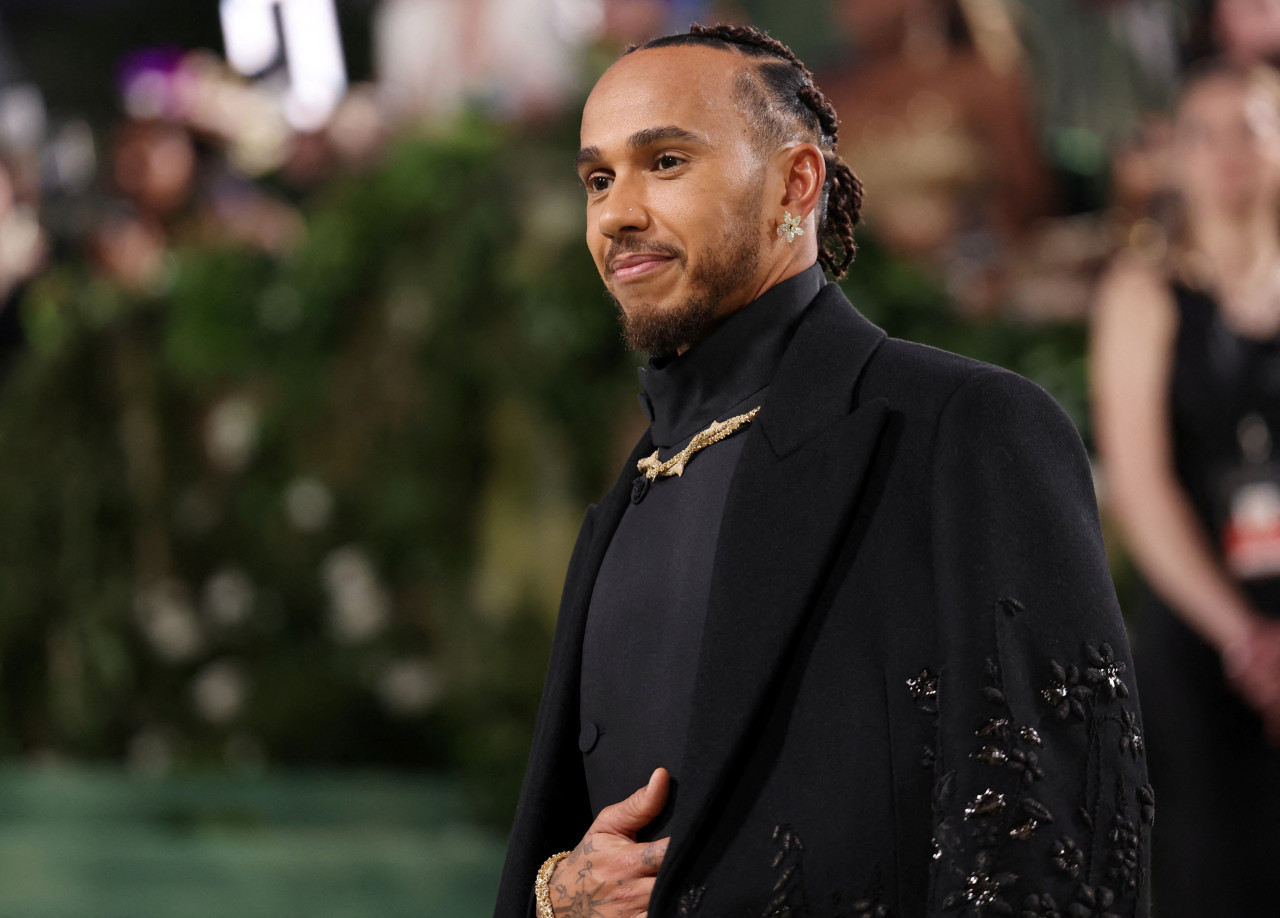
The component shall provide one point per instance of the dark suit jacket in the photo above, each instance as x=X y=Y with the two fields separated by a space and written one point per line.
x=915 y=695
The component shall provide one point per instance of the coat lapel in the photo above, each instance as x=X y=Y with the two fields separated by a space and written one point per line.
x=792 y=495
x=604 y=520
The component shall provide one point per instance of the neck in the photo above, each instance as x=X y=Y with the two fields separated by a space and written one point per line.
x=1236 y=243
x=766 y=281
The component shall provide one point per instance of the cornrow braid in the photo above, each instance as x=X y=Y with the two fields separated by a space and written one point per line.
x=790 y=87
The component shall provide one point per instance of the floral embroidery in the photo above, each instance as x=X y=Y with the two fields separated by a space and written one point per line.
x=1006 y=750
x=1106 y=671
x=981 y=889
x=1064 y=693
x=986 y=803
x=1125 y=858
x=1039 y=906
x=787 y=899
x=1093 y=902
x=691 y=901
x=1147 y=804
x=1131 y=740
x=1066 y=858
x=977 y=837
x=1025 y=830
x=1011 y=606
x=924 y=691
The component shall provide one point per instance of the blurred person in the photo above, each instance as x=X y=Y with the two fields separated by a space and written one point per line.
x=1247 y=31
x=1186 y=388
x=515 y=58
x=845 y=617
x=24 y=249
x=938 y=120
x=153 y=168
x=176 y=187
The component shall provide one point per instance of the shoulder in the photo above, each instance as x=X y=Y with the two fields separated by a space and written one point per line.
x=990 y=399
x=1134 y=296
x=918 y=377
x=974 y=418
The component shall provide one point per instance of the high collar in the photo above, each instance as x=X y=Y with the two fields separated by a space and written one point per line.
x=683 y=394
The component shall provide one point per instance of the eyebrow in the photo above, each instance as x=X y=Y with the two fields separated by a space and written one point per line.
x=644 y=138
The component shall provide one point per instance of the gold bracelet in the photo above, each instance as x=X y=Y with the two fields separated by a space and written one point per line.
x=542 y=885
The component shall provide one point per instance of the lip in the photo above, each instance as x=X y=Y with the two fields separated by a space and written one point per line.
x=638 y=266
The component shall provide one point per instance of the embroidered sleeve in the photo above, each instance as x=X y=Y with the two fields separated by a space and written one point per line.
x=1041 y=802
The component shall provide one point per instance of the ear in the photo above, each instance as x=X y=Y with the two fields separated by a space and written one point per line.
x=804 y=170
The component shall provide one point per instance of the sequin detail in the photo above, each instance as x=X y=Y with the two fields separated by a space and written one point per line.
x=981 y=889
x=992 y=848
x=1106 y=670
x=986 y=803
x=924 y=691
x=1131 y=740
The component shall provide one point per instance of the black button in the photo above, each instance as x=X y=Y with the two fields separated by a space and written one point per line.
x=587 y=738
x=639 y=488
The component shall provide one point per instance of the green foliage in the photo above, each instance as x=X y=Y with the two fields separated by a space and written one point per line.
x=243 y=518
x=317 y=510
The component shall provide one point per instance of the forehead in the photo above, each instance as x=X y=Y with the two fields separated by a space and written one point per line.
x=691 y=87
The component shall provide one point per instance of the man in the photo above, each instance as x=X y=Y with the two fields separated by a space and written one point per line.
x=845 y=618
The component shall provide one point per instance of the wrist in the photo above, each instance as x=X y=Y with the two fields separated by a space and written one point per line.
x=1236 y=635
x=542 y=884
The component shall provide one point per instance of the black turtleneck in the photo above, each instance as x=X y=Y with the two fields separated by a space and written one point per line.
x=644 y=625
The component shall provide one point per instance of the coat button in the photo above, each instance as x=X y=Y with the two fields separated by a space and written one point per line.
x=588 y=736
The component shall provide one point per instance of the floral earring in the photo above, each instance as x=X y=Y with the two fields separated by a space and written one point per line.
x=790 y=227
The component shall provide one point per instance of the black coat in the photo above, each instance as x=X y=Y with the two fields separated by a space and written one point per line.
x=915 y=694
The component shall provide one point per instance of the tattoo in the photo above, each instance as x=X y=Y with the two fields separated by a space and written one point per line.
x=587 y=899
x=651 y=856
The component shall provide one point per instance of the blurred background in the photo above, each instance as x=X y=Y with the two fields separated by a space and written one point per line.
x=306 y=379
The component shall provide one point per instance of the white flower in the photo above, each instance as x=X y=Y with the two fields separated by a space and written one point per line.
x=308 y=503
x=231 y=433
x=358 y=605
x=168 y=621
x=409 y=686
x=228 y=597
x=219 y=691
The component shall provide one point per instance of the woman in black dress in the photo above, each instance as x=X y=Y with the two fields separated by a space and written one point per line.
x=1186 y=378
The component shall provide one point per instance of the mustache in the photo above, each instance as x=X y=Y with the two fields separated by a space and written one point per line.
x=629 y=245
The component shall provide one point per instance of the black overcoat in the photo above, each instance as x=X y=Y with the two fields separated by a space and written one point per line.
x=915 y=694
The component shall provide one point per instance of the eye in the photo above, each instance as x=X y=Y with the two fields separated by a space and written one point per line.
x=598 y=182
x=668 y=161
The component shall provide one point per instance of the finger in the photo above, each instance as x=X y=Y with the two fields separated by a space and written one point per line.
x=653 y=854
x=632 y=898
x=631 y=815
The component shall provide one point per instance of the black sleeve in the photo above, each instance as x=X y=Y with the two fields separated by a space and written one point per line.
x=1041 y=801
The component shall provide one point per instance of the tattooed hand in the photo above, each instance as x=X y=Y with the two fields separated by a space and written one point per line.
x=609 y=874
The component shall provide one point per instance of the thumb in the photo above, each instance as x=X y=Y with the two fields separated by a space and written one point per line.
x=631 y=815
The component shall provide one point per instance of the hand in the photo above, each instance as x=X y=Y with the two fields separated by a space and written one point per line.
x=609 y=874
x=1252 y=666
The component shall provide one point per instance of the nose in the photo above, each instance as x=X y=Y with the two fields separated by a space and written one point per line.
x=624 y=209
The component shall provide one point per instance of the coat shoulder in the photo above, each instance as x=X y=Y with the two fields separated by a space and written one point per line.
x=974 y=397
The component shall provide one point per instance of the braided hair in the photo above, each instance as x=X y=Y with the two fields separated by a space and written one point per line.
x=786 y=105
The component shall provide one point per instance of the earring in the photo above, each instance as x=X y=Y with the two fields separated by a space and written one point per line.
x=790 y=227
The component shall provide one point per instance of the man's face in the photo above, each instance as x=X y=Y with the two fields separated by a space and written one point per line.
x=675 y=193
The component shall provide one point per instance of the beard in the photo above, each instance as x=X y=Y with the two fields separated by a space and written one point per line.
x=726 y=266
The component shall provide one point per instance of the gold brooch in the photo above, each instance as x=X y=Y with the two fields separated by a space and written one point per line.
x=718 y=430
